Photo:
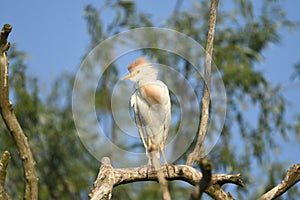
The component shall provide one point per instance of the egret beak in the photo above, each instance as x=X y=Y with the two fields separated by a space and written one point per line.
x=128 y=76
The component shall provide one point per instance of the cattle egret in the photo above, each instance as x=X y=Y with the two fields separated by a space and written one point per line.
x=151 y=105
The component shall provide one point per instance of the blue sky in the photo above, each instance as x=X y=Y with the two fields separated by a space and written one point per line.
x=54 y=35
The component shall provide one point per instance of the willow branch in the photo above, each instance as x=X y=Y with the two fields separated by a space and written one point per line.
x=9 y=117
x=292 y=177
x=110 y=177
x=4 y=160
x=199 y=148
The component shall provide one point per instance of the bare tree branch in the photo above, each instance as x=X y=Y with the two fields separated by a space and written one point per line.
x=199 y=148
x=199 y=151
x=110 y=177
x=292 y=177
x=4 y=160
x=9 y=117
x=105 y=181
x=206 y=168
x=216 y=192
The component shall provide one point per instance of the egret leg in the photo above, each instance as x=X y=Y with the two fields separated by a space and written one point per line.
x=149 y=157
x=149 y=161
x=149 y=165
x=162 y=149
x=148 y=151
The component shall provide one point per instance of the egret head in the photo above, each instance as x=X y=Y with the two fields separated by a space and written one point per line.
x=141 y=70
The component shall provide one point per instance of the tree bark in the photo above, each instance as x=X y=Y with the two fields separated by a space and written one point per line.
x=292 y=177
x=199 y=151
x=12 y=124
x=4 y=160
x=110 y=177
x=199 y=147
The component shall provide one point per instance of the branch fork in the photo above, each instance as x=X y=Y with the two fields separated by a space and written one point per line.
x=110 y=177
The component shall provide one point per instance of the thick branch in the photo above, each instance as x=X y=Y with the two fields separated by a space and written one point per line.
x=199 y=148
x=105 y=181
x=216 y=192
x=9 y=117
x=292 y=177
x=4 y=160
x=110 y=177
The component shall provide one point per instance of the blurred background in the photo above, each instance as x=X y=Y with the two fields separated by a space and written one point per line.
x=256 y=50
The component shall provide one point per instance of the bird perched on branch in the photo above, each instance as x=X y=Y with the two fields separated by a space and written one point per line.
x=152 y=107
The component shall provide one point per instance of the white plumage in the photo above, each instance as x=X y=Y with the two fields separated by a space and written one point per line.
x=151 y=105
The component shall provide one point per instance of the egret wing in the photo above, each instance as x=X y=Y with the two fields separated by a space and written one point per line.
x=134 y=102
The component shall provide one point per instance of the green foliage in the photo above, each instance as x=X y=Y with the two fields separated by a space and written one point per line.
x=66 y=170
x=296 y=73
x=56 y=148
x=241 y=37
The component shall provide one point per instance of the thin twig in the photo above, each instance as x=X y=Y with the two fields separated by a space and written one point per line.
x=292 y=177
x=199 y=151
x=199 y=147
x=12 y=124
